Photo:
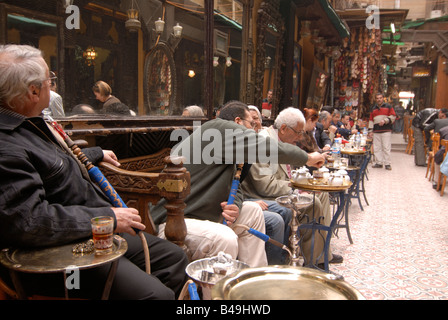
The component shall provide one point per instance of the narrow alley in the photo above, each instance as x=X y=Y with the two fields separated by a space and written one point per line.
x=400 y=239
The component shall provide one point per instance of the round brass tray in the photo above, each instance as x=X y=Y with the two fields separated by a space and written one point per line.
x=350 y=167
x=283 y=283
x=58 y=259
x=352 y=151
x=320 y=187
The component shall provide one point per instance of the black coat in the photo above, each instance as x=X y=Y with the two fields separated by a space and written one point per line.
x=322 y=138
x=44 y=197
x=425 y=117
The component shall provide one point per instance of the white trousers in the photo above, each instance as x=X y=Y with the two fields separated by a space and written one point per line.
x=206 y=239
x=381 y=147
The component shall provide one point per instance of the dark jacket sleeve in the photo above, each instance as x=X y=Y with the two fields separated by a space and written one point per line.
x=29 y=218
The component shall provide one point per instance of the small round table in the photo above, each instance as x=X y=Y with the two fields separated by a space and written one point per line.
x=354 y=174
x=314 y=225
x=60 y=259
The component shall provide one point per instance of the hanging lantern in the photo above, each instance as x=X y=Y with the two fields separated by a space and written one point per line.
x=228 y=61
x=132 y=24
x=305 y=30
x=177 y=30
x=90 y=54
x=160 y=25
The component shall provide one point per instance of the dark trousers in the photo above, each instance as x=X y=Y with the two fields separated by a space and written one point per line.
x=168 y=263
x=419 y=147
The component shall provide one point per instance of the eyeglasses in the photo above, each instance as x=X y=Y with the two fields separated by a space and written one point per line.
x=252 y=124
x=50 y=79
x=295 y=131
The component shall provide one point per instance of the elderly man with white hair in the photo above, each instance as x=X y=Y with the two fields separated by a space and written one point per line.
x=257 y=185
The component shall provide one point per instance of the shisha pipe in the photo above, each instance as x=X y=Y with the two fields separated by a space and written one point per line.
x=234 y=187
x=231 y=199
x=97 y=176
x=264 y=237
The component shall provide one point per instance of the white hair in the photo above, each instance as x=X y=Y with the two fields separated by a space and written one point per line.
x=20 y=67
x=195 y=111
x=251 y=107
x=290 y=117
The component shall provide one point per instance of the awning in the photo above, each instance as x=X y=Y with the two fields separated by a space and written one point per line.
x=335 y=19
x=323 y=17
x=418 y=23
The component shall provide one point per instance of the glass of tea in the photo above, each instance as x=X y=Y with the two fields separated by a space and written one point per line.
x=103 y=232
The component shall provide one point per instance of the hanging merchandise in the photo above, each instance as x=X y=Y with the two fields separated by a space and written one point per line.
x=359 y=67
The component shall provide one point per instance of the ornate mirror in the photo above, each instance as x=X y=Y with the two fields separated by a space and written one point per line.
x=160 y=81
x=269 y=49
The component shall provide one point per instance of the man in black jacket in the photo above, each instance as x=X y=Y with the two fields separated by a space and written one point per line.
x=324 y=123
x=48 y=199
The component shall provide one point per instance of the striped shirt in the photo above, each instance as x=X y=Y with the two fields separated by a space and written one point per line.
x=379 y=113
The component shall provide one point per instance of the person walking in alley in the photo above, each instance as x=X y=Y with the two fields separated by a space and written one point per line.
x=381 y=122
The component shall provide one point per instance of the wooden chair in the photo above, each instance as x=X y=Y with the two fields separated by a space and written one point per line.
x=411 y=140
x=441 y=182
x=140 y=181
x=435 y=137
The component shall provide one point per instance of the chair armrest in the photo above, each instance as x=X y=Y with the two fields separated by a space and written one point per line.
x=138 y=189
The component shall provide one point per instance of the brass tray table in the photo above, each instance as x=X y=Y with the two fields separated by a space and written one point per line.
x=283 y=283
x=60 y=259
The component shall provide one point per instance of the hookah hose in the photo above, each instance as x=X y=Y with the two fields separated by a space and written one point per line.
x=234 y=187
x=231 y=199
x=97 y=176
x=264 y=237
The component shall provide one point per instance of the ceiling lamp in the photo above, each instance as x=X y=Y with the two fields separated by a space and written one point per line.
x=228 y=61
x=67 y=3
x=90 y=55
x=177 y=30
x=160 y=25
x=132 y=24
x=267 y=62
x=305 y=30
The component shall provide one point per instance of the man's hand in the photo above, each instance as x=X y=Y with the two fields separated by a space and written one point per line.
x=127 y=218
x=263 y=205
x=332 y=129
x=316 y=159
x=110 y=157
x=230 y=212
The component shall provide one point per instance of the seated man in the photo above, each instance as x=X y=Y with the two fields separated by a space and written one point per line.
x=212 y=152
x=258 y=185
x=346 y=128
x=436 y=125
x=338 y=122
x=48 y=199
x=323 y=139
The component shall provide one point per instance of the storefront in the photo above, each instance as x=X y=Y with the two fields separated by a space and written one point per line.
x=315 y=35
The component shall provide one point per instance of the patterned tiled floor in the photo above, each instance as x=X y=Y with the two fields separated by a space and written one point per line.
x=400 y=248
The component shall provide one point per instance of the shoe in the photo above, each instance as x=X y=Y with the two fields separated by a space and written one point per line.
x=388 y=167
x=421 y=165
x=434 y=186
x=336 y=258
x=376 y=165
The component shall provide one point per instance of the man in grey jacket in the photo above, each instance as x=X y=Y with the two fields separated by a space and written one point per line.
x=212 y=153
